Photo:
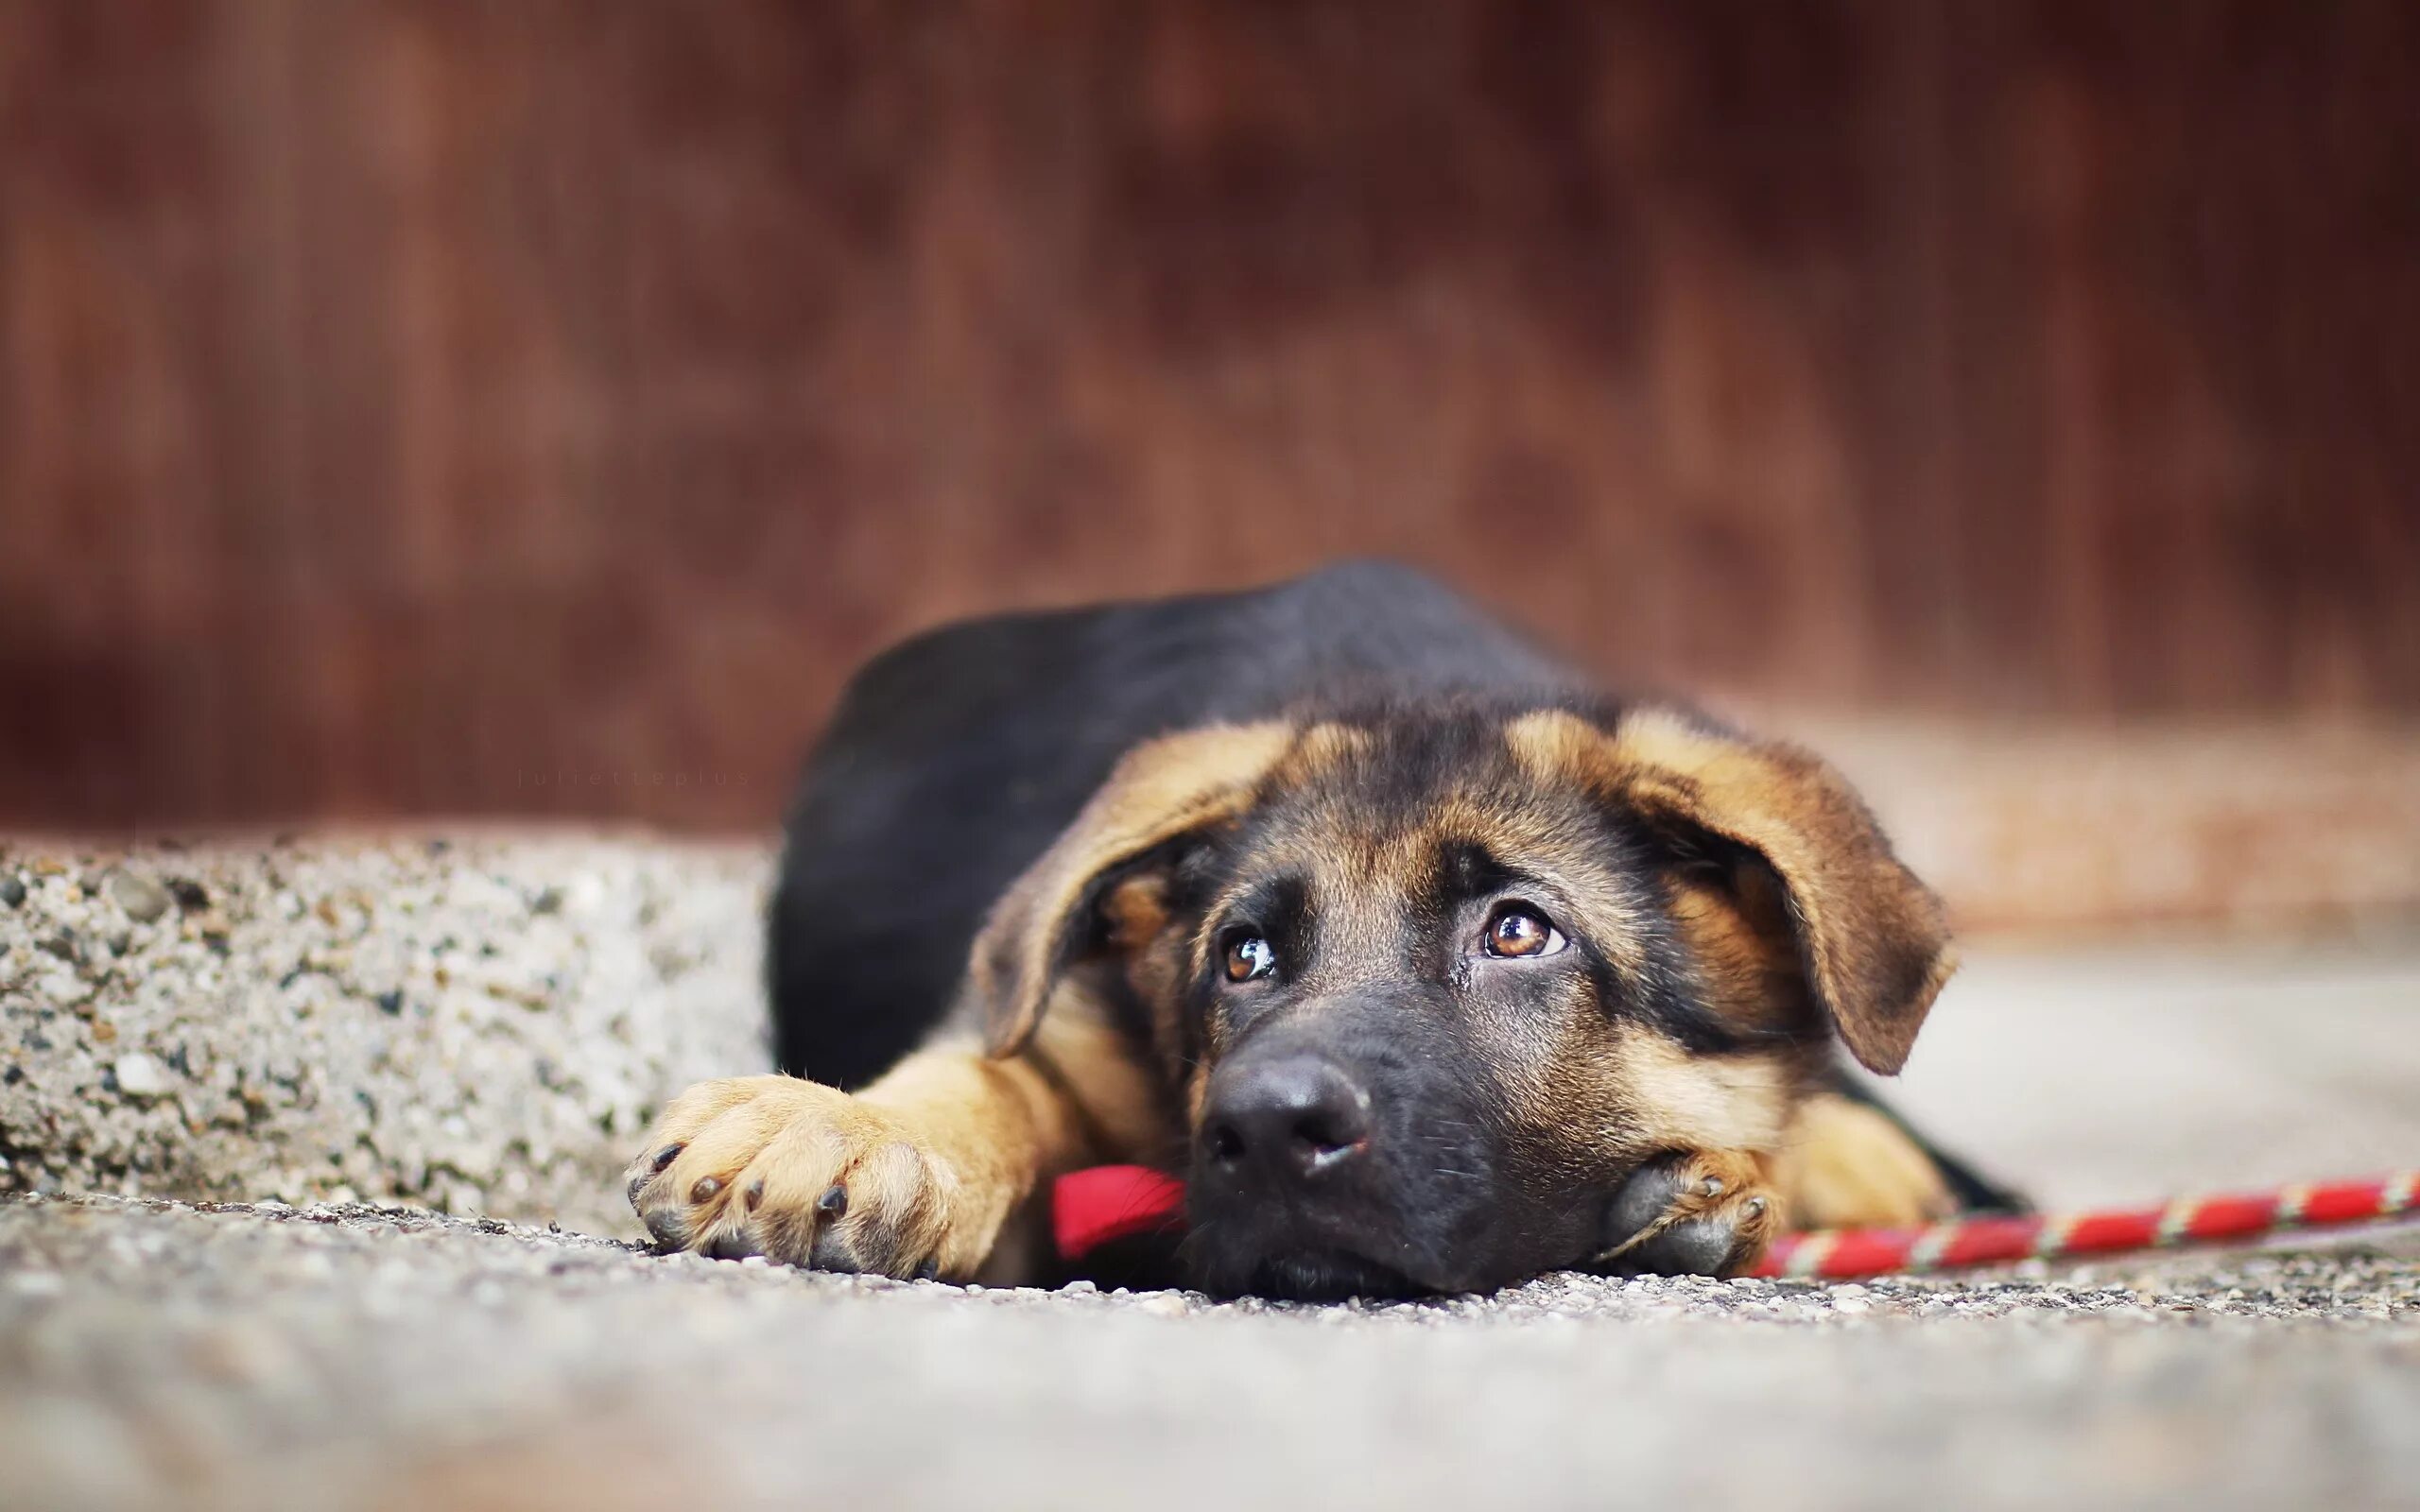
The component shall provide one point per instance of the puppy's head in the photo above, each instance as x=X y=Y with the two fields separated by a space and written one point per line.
x=1433 y=982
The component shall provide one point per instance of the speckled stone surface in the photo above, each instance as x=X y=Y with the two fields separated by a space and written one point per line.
x=157 y=1356
x=480 y=1025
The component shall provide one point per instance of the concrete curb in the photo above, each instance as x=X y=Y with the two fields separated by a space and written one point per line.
x=473 y=1026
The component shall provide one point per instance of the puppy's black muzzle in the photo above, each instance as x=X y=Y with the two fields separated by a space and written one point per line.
x=1337 y=1158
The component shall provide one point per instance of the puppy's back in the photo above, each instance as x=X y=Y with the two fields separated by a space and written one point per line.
x=954 y=759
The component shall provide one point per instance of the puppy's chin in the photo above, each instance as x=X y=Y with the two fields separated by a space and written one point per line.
x=1326 y=1262
x=1307 y=1276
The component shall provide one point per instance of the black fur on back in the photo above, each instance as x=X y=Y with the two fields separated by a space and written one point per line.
x=954 y=759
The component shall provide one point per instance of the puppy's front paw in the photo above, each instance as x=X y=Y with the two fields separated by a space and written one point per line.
x=1703 y=1213
x=798 y=1172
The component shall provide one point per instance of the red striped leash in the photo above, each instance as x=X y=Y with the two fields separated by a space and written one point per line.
x=1837 y=1254
x=1109 y=1203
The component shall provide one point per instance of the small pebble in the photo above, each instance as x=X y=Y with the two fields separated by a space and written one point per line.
x=139 y=1075
x=143 y=899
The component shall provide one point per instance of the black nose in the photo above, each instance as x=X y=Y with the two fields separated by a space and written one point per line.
x=1288 y=1117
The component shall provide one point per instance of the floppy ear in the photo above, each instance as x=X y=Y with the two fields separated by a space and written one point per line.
x=1159 y=793
x=1871 y=940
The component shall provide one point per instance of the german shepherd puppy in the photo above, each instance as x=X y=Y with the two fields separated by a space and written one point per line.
x=1429 y=967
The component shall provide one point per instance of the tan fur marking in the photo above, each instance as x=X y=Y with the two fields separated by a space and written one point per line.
x=1135 y=911
x=1843 y=1165
x=1743 y=953
x=1554 y=746
x=1121 y=1096
x=1690 y=1102
x=1318 y=749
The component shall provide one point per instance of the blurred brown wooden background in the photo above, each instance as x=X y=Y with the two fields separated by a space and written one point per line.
x=402 y=403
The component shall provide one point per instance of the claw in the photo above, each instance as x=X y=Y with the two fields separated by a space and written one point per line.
x=1667 y=1221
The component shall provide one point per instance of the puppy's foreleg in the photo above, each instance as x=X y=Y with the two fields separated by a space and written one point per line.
x=934 y=1170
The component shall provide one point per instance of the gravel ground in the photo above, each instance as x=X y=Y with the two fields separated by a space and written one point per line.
x=159 y=1355
x=548 y=993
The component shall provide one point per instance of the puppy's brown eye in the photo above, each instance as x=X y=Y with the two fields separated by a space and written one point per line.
x=1519 y=929
x=1249 y=957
